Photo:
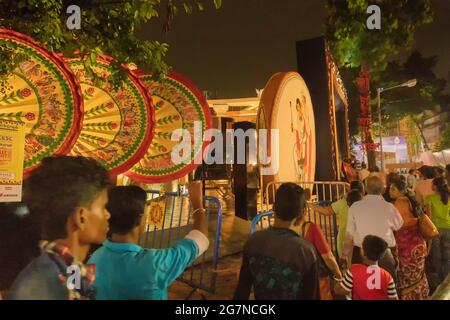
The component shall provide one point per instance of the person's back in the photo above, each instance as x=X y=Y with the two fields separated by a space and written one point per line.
x=40 y=280
x=438 y=206
x=411 y=246
x=373 y=215
x=124 y=270
x=282 y=265
x=327 y=262
x=439 y=211
x=367 y=280
x=361 y=275
x=340 y=209
x=278 y=263
x=424 y=187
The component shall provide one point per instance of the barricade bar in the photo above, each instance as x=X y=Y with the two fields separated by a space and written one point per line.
x=175 y=225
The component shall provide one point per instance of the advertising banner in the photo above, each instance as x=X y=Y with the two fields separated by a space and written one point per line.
x=12 y=142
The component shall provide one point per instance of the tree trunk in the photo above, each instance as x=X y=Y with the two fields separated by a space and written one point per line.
x=371 y=159
x=422 y=136
x=365 y=119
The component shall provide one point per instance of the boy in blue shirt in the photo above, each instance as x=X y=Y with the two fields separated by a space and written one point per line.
x=124 y=270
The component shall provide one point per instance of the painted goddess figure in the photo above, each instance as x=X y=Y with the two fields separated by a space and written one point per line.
x=302 y=134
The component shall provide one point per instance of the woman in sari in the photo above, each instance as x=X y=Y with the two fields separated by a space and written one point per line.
x=411 y=246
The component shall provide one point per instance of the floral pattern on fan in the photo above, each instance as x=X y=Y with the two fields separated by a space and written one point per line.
x=117 y=123
x=42 y=93
x=178 y=105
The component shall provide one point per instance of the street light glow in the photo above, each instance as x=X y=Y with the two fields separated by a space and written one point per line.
x=410 y=83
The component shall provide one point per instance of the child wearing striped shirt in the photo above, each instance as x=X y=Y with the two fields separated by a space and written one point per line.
x=368 y=281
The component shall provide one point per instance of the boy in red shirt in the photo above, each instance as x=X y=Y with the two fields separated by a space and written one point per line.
x=368 y=281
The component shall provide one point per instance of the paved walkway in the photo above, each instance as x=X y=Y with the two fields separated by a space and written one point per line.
x=235 y=232
x=227 y=278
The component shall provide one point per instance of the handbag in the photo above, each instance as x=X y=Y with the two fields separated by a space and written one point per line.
x=324 y=271
x=427 y=227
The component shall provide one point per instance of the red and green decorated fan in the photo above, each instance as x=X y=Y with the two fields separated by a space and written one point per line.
x=43 y=93
x=118 y=122
x=178 y=105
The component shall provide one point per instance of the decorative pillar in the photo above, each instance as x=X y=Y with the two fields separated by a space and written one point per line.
x=365 y=120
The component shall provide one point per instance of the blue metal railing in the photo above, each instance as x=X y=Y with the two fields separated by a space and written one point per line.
x=176 y=223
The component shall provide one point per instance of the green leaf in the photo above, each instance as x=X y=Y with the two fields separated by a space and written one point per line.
x=99 y=24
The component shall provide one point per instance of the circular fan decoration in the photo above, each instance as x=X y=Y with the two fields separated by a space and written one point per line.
x=118 y=122
x=286 y=106
x=179 y=105
x=43 y=93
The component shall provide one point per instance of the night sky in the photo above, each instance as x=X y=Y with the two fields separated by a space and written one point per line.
x=233 y=50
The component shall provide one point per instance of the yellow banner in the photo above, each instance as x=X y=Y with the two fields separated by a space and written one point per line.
x=12 y=143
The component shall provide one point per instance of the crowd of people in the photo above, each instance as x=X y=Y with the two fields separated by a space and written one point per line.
x=392 y=243
x=67 y=202
x=76 y=236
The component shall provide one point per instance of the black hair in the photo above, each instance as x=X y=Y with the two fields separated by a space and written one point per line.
x=376 y=169
x=363 y=165
x=402 y=186
x=126 y=206
x=357 y=185
x=447 y=167
x=411 y=171
x=290 y=202
x=442 y=187
x=353 y=196
x=428 y=172
x=439 y=170
x=19 y=240
x=58 y=186
x=391 y=177
x=374 y=247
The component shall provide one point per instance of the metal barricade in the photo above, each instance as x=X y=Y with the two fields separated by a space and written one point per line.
x=176 y=223
x=327 y=224
x=319 y=190
x=262 y=221
x=321 y=193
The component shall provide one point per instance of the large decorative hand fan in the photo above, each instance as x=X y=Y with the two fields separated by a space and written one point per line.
x=43 y=93
x=286 y=106
x=179 y=105
x=118 y=122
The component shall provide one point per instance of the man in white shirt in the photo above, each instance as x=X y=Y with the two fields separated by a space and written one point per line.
x=372 y=216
